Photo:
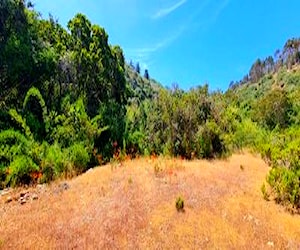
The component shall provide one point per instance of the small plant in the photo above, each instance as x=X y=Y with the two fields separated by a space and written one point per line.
x=79 y=157
x=242 y=167
x=157 y=170
x=265 y=192
x=179 y=204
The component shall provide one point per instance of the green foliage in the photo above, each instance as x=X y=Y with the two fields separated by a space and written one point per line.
x=179 y=204
x=139 y=88
x=20 y=170
x=12 y=144
x=265 y=192
x=134 y=135
x=36 y=114
x=34 y=92
x=273 y=109
x=210 y=143
x=73 y=134
x=294 y=95
x=281 y=150
x=247 y=134
x=53 y=163
x=74 y=125
x=67 y=162
x=20 y=121
x=78 y=157
x=176 y=123
x=112 y=118
x=285 y=185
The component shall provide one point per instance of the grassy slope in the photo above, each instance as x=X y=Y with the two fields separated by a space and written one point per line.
x=131 y=206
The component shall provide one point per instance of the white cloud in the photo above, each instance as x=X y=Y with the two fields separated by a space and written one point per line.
x=166 y=11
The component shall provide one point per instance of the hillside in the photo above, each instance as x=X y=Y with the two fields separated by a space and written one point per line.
x=132 y=205
x=140 y=88
x=281 y=71
x=285 y=79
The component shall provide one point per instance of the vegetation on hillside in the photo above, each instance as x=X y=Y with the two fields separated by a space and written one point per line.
x=69 y=101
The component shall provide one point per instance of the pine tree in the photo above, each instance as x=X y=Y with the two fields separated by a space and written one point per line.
x=146 y=74
x=137 y=68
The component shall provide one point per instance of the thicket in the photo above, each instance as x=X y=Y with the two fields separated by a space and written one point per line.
x=175 y=123
x=65 y=149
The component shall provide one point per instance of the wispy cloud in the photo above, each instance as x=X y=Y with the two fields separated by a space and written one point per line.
x=166 y=11
x=219 y=9
x=144 y=55
x=212 y=13
x=204 y=16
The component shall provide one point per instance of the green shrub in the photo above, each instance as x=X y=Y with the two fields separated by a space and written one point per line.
x=247 y=134
x=54 y=163
x=78 y=157
x=2 y=175
x=20 y=171
x=264 y=191
x=285 y=185
x=210 y=144
x=179 y=204
x=13 y=143
x=273 y=109
x=281 y=150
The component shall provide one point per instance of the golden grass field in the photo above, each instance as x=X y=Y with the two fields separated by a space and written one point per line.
x=132 y=206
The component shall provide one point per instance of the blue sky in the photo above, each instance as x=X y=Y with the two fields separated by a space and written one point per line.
x=189 y=42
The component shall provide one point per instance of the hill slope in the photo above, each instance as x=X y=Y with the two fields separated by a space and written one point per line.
x=132 y=206
x=140 y=87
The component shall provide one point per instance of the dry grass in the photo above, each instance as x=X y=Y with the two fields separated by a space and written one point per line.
x=132 y=206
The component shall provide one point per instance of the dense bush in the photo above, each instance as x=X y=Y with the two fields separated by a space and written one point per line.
x=78 y=157
x=67 y=152
x=273 y=109
x=54 y=163
x=20 y=170
x=176 y=123
x=285 y=184
x=282 y=152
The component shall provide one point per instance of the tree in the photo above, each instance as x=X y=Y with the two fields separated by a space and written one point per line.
x=131 y=64
x=146 y=74
x=80 y=28
x=25 y=59
x=16 y=57
x=256 y=71
x=269 y=64
x=137 y=68
x=273 y=109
